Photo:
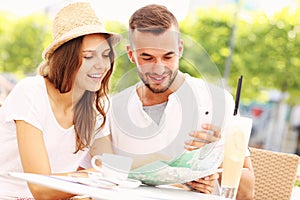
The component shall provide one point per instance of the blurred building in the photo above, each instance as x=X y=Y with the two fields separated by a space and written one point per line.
x=7 y=82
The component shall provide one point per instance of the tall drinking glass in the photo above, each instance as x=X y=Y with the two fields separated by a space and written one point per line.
x=236 y=143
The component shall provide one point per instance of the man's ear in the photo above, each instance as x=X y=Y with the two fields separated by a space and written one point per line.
x=130 y=53
x=180 y=48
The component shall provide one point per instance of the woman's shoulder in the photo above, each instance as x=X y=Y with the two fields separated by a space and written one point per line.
x=34 y=80
x=28 y=87
x=27 y=95
x=30 y=83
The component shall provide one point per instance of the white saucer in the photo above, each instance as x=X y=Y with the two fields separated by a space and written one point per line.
x=128 y=183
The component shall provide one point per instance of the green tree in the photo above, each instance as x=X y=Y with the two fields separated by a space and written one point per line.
x=266 y=49
x=267 y=52
x=25 y=39
x=124 y=74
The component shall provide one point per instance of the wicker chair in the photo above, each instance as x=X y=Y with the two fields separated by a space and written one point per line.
x=274 y=174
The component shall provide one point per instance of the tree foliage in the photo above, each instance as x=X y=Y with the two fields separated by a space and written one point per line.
x=266 y=48
x=24 y=40
x=124 y=74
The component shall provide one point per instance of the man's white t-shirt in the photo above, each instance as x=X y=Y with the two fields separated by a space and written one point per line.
x=29 y=101
x=136 y=134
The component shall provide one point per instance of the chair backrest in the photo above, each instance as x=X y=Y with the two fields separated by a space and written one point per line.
x=274 y=173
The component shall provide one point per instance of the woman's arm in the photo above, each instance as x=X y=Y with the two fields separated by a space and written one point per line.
x=34 y=159
x=99 y=146
x=102 y=145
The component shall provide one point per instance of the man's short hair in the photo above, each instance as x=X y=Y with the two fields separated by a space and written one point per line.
x=152 y=18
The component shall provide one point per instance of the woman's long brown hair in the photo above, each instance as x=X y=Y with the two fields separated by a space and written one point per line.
x=62 y=68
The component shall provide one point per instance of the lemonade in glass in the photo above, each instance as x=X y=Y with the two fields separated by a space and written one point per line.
x=236 y=143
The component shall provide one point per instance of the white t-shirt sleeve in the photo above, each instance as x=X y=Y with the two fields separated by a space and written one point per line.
x=86 y=162
x=105 y=130
x=23 y=103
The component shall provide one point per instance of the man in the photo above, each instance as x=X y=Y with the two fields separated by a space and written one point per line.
x=168 y=111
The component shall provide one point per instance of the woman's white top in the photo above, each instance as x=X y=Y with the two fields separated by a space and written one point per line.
x=29 y=101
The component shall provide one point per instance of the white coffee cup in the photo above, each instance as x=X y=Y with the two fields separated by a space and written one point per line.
x=113 y=166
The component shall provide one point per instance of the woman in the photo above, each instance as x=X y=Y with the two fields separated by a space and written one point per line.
x=48 y=121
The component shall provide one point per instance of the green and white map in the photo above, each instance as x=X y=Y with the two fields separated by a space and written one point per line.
x=189 y=166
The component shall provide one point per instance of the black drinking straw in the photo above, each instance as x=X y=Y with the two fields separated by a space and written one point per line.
x=237 y=96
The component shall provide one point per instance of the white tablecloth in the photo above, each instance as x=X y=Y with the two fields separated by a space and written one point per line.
x=141 y=193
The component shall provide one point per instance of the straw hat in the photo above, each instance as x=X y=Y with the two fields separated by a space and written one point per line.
x=75 y=20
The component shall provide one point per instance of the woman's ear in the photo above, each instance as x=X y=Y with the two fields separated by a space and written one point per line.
x=130 y=54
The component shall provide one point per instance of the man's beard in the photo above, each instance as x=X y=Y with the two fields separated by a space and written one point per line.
x=160 y=90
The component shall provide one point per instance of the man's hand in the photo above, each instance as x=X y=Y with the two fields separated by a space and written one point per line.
x=209 y=134
x=204 y=185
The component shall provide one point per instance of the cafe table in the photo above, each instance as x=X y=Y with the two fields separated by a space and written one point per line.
x=142 y=192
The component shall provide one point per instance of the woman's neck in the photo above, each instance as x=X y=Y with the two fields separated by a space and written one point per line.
x=65 y=101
